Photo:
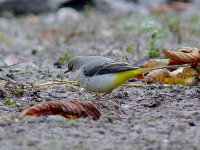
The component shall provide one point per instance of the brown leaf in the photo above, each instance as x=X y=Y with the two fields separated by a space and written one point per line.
x=182 y=81
x=155 y=63
x=183 y=55
x=13 y=59
x=184 y=72
x=196 y=66
x=184 y=76
x=171 y=6
x=68 y=109
x=157 y=75
x=50 y=33
x=186 y=49
x=178 y=5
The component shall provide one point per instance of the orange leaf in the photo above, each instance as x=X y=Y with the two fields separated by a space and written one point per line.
x=68 y=109
x=183 y=55
x=140 y=76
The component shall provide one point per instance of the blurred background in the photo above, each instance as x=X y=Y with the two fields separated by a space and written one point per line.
x=51 y=32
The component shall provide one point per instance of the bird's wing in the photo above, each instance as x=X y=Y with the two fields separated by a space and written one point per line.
x=107 y=68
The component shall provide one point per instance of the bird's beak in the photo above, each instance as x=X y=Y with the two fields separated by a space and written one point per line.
x=67 y=71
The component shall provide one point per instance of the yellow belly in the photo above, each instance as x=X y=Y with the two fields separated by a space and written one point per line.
x=107 y=82
x=124 y=76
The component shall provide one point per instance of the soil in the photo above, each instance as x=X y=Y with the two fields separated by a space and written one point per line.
x=152 y=117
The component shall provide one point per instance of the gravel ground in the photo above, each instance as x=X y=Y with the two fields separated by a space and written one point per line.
x=148 y=118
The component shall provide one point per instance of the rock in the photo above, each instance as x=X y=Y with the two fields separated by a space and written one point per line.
x=3 y=134
x=117 y=6
x=151 y=3
x=19 y=7
x=69 y=15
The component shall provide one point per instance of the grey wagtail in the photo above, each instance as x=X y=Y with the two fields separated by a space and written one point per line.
x=101 y=74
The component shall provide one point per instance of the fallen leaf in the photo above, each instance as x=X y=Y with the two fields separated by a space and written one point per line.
x=196 y=66
x=182 y=81
x=155 y=63
x=183 y=55
x=13 y=59
x=157 y=75
x=68 y=109
x=184 y=76
x=186 y=49
x=184 y=72
x=50 y=33
x=140 y=76
x=178 y=6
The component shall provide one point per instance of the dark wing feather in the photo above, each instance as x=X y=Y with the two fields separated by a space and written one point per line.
x=92 y=71
x=108 y=68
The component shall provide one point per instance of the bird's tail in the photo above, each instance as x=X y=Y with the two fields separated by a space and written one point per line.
x=126 y=75
x=138 y=71
x=172 y=66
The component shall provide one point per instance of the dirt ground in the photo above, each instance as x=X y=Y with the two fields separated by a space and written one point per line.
x=154 y=117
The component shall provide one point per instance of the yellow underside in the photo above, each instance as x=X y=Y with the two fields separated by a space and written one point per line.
x=122 y=77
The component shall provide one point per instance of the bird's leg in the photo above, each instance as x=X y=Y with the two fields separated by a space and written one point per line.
x=107 y=93
x=98 y=96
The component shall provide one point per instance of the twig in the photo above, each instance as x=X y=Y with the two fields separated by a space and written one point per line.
x=49 y=83
x=6 y=66
x=10 y=81
x=143 y=85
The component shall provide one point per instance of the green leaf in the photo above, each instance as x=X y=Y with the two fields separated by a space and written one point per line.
x=19 y=92
x=10 y=102
x=129 y=48
x=154 y=53
x=61 y=59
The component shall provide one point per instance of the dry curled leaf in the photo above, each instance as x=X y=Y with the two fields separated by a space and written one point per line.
x=155 y=63
x=184 y=76
x=157 y=75
x=68 y=109
x=183 y=55
x=196 y=66
x=182 y=81
x=171 y=6
x=184 y=72
x=186 y=49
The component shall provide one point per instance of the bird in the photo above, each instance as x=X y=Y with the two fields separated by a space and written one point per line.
x=101 y=74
